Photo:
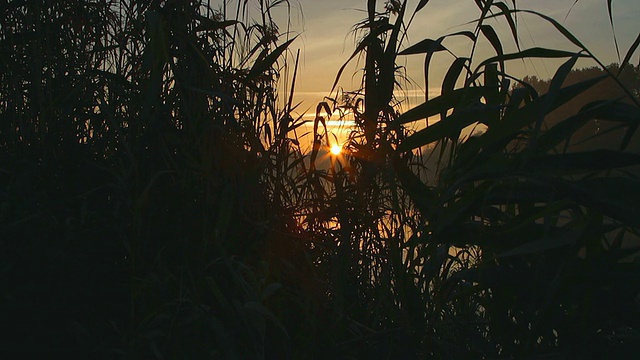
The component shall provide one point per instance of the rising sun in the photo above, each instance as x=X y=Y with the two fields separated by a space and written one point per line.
x=336 y=149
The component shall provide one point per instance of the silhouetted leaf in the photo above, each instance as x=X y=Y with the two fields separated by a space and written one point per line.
x=546 y=243
x=421 y=5
x=484 y=6
x=460 y=207
x=519 y=118
x=616 y=197
x=493 y=97
x=586 y=161
x=570 y=9
x=452 y=75
x=493 y=38
x=424 y=46
x=512 y=24
x=530 y=53
x=567 y=34
x=264 y=64
x=602 y=110
x=627 y=57
x=554 y=88
x=386 y=66
x=420 y=193
x=449 y=127
x=613 y=29
x=207 y=24
x=361 y=46
x=270 y=290
x=429 y=46
x=518 y=96
x=564 y=130
x=441 y=103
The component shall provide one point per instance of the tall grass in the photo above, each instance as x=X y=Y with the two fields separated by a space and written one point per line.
x=501 y=244
x=156 y=204
x=143 y=145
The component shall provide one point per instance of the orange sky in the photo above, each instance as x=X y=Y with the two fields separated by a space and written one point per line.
x=326 y=41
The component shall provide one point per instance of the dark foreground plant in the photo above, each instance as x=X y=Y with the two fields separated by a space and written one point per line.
x=500 y=244
x=155 y=204
x=143 y=145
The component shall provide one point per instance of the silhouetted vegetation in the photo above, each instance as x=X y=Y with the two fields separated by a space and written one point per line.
x=610 y=133
x=155 y=203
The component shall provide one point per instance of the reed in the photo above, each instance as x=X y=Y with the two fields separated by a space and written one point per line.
x=453 y=247
x=156 y=203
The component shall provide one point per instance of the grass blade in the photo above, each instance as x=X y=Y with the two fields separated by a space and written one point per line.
x=627 y=57
x=421 y=5
x=450 y=127
x=262 y=65
x=536 y=52
x=613 y=29
x=493 y=38
x=439 y=104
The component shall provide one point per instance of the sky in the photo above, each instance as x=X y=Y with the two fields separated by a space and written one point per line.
x=326 y=39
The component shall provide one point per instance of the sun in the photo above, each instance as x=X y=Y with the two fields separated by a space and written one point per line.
x=336 y=149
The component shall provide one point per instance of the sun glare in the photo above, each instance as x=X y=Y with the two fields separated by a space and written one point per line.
x=336 y=149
